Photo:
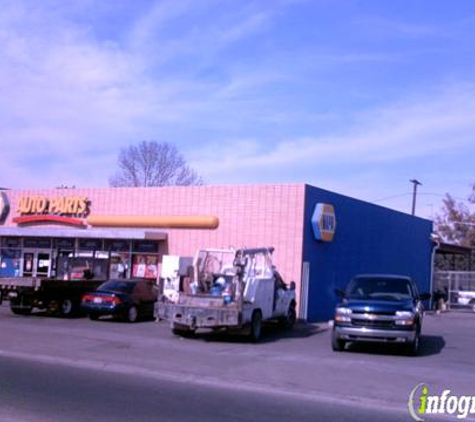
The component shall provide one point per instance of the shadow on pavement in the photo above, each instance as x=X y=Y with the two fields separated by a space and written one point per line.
x=429 y=345
x=271 y=332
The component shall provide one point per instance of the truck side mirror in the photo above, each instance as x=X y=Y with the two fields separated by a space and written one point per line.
x=339 y=293
x=292 y=285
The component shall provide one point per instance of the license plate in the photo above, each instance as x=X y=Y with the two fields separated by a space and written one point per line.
x=13 y=294
x=97 y=300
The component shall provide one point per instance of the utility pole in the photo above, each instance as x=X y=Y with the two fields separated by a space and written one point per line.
x=416 y=183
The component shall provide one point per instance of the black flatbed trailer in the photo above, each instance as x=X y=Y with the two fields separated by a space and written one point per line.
x=58 y=297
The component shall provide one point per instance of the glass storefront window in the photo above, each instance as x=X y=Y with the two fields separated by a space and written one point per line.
x=145 y=246
x=37 y=242
x=68 y=244
x=10 y=260
x=119 y=265
x=11 y=242
x=117 y=245
x=90 y=244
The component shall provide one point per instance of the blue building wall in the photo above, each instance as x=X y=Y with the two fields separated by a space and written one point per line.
x=368 y=239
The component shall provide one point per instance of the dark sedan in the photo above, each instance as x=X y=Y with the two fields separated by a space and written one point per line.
x=124 y=299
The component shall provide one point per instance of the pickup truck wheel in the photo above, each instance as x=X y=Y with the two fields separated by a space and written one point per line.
x=412 y=349
x=132 y=314
x=93 y=317
x=67 y=308
x=256 y=326
x=291 y=317
x=337 y=344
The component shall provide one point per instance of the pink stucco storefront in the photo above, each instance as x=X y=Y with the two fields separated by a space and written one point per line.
x=42 y=224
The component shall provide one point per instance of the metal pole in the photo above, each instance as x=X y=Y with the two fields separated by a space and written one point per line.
x=416 y=183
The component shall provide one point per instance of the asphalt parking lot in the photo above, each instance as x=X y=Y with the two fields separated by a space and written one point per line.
x=297 y=362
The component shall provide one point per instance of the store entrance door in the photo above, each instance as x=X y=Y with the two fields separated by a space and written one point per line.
x=36 y=263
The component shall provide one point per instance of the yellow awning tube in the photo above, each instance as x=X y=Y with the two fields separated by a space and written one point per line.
x=163 y=221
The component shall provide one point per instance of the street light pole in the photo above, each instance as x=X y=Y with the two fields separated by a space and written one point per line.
x=416 y=183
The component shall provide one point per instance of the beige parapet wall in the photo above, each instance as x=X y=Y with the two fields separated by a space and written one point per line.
x=163 y=221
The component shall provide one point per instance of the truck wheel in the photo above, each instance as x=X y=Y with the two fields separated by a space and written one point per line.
x=93 y=317
x=337 y=344
x=53 y=307
x=132 y=314
x=256 y=326
x=289 y=321
x=20 y=306
x=21 y=310
x=412 y=349
x=182 y=331
x=67 y=308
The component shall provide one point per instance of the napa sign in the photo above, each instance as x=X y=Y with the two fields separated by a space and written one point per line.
x=4 y=207
x=324 y=222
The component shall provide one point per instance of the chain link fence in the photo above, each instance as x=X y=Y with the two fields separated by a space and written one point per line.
x=455 y=288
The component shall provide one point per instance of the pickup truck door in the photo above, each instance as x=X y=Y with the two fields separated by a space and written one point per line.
x=281 y=302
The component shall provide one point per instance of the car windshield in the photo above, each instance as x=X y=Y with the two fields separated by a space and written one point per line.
x=380 y=289
x=117 y=286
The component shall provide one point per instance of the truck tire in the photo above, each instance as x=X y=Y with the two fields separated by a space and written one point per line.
x=20 y=306
x=412 y=348
x=256 y=326
x=53 y=307
x=289 y=320
x=20 y=310
x=182 y=331
x=338 y=345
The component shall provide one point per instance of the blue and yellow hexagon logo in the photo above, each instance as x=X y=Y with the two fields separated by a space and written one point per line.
x=324 y=222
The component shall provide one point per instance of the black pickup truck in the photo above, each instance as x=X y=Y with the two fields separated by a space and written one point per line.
x=379 y=308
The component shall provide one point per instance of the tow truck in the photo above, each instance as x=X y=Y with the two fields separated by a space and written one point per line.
x=232 y=289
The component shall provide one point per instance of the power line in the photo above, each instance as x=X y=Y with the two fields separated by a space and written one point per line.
x=392 y=197
x=419 y=193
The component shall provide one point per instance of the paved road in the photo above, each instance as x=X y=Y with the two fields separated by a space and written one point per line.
x=298 y=365
x=38 y=392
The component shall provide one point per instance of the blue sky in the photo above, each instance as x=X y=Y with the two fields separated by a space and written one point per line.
x=352 y=96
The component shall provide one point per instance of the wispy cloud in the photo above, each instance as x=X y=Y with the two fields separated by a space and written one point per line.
x=388 y=26
x=439 y=123
x=65 y=91
x=260 y=91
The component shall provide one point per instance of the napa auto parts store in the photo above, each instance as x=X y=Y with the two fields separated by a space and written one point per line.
x=321 y=238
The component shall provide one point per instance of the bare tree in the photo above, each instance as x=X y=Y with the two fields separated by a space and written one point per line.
x=456 y=223
x=151 y=163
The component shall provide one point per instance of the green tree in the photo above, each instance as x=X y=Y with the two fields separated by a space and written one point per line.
x=151 y=163
x=456 y=223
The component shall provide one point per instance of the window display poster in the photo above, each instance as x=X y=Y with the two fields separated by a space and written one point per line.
x=145 y=266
